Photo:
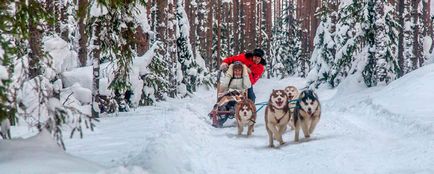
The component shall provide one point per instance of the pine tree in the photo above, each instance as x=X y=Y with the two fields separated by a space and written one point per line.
x=191 y=71
x=346 y=38
x=34 y=86
x=324 y=51
x=387 y=67
x=408 y=40
x=286 y=45
x=117 y=44
x=156 y=83
x=7 y=54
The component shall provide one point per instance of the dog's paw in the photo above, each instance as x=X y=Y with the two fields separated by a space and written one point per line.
x=307 y=136
x=271 y=146
x=282 y=143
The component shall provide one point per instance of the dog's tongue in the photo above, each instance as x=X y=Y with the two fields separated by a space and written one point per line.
x=279 y=103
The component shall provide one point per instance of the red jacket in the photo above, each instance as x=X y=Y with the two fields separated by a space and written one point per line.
x=256 y=70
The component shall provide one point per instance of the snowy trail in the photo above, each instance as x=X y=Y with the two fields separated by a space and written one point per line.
x=176 y=137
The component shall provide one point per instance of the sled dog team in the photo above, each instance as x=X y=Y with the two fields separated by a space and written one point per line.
x=286 y=107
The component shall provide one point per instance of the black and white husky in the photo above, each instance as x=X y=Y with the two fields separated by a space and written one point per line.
x=307 y=113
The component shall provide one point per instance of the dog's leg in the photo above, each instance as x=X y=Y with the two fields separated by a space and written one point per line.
x=240 y=128
x=270 y=136
x=304 y=126
x=280 y=132
x=297 y=131
x=250 y=130
x=291 y=120
x=313 y=124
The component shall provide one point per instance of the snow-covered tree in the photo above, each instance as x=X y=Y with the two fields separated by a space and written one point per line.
x=7 y=54
x=191 y=71
x=387 y=67
x=346 y=38
x=156 y=83
x=286 y=44
x=115 y=37
x=35 y=88
x=325 y=48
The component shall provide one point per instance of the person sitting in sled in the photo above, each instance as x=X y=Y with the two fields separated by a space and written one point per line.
x=236 y=78
x=254 y=61
x=235 y=82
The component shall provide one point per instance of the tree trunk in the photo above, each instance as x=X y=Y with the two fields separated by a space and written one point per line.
x=35 y=43
x=63 y=18
x=171 y=46
x=96 y=76
x=82 y=52
x=416 y=53
x=219 y=31
x=142 y=41
x=200 y=29
x=259 y=12
x=209 y=35
x=236 y=29
x=268 y=26
x=401 y=37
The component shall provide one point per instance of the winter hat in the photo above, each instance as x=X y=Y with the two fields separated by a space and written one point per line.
x=260 y=53
x=237 y=65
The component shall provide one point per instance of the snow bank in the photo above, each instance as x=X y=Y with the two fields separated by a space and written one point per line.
x=406 y=101
x=40 y=154
x=83 y=76
x=410 y=95
x=183 y=134
x=64 y=58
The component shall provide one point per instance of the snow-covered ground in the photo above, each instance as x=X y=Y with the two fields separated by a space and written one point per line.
x=386 y=129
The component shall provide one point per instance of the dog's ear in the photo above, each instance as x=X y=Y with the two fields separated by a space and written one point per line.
x=315 y=95
x=302 y=94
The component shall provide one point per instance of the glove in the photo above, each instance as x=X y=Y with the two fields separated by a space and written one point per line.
x=224 y=66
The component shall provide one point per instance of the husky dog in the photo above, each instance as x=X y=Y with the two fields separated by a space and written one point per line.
x=277 y=116
x=292 y=93
x=307 y=113
x=245 y=113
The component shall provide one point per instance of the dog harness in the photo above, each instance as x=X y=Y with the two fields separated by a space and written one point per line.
x=278 y=120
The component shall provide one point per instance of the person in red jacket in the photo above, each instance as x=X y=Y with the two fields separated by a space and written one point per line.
x=254 y=61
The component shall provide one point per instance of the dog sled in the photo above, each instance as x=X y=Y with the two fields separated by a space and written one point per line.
x=224 y=108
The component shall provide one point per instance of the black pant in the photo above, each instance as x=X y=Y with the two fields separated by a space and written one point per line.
x=251 y=94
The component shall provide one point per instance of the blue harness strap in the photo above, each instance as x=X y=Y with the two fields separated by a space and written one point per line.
x=262 y=105
x=289 y=101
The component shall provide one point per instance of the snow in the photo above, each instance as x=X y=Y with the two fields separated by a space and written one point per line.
x=427 y=43
x=40 y=154
x=141 y=16
x=3 y=73
x=83 y=76
x=386 y=129
x=63 y=58
x=98 y=9
x=410 y=91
